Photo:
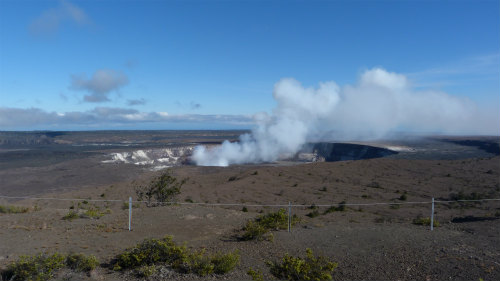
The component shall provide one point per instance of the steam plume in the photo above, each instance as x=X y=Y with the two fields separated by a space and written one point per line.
x=381 y=102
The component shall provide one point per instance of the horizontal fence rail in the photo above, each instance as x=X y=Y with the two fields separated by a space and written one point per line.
x=243 y=204
x=289 y=205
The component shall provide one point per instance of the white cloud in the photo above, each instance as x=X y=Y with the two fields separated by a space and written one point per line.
x=380 y=103
x=50 y=20
x=102 y=82
x=22 y=118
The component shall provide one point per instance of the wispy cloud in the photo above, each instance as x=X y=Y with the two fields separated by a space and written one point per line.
x=461 y=72
x=20 y=118
x=133 y=102
x=51 y=19
x=99 y=86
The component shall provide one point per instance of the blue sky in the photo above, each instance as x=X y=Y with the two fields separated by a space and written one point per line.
x=213 y=64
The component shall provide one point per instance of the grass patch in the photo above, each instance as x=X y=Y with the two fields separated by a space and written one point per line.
x=164 y=251
x=13 y=209
x=308 y=268
x=425 y=221
x=85 y=210
x=258 y=228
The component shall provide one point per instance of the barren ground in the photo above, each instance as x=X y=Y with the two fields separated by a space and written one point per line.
x=368 y=242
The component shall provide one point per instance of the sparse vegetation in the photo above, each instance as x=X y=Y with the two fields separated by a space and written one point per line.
x=164 y=251
x=80 y=262
x=314 y=213
x=309 y=268
x=255 y=274
x=71 y=215
x=403 y=197
x=85 y=210
x=244 y=209
x=13 y=209
x=425 y=221
x=259 y=227
x=43 y=267
x=339 y=208
x=145 y=271
x=37 y=268
x=160 y=190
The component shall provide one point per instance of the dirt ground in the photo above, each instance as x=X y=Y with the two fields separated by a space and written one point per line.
x=369 y=242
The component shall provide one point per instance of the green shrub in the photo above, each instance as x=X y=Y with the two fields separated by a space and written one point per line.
x=37 y=268
x=260 y=226
x=313 y=214
x=223 y=263
x=151 y=251
x=160 y=190
x=13 y=209
x=310 y=268
x=197 y=263
x=145 y=271
x=255 y=231
x=71 y=215
x=425 y=221
x=80 y=262
x=92 y=213
x=244 y=209
x=255 y=274
x=164 y=251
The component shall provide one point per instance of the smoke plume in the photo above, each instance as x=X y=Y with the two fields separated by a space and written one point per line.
x=380 y=103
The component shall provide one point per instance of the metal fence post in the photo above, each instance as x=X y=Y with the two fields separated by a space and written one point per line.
x=432 y=215
x=129 y=213
x=289 y=216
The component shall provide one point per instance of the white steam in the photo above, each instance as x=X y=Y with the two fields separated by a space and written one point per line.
x=382 y=102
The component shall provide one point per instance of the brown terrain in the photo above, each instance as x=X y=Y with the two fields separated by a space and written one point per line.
x=369 y=242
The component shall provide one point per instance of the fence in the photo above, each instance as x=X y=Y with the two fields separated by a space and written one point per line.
x=289 y=205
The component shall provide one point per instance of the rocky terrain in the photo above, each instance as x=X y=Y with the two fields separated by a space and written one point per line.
x=369 y=242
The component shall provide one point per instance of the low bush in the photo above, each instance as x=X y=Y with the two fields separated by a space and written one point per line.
x=13 y=209
x=145 y=271
x=71 y=215
x=37 y=268
x=255 y=274
x=309 y=268
x=164 y=251
x=80 y=262
x=425 y=221
x=339 y=208
x=260 y=226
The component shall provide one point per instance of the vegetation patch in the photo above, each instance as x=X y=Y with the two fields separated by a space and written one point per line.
x=153 y=252
x=258 y=228
x=309 y=268
x=43 y=267
x=339 y=208
x=255 y=274
x=425 y=221
x=86 y=210
x=81 y=262
x=161 y=190
x=13 y=209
